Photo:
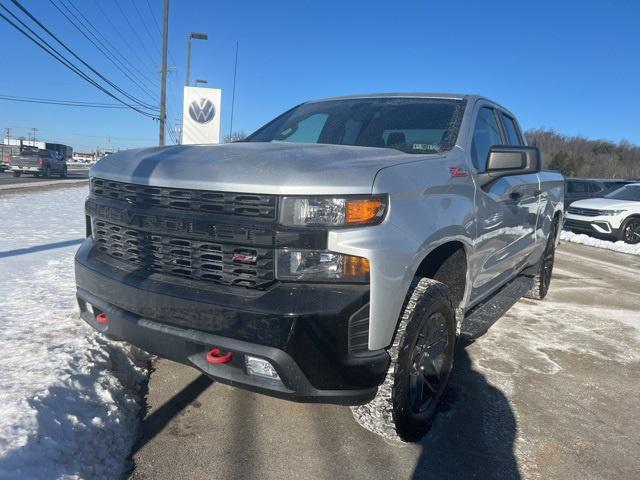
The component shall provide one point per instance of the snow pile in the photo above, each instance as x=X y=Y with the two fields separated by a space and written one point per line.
x=618 y=246
x=69 y=405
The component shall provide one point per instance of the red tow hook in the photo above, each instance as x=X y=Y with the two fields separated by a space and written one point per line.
x=102 y=318
x=214 y=356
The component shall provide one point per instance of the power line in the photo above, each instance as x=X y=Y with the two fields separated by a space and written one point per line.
x=67 y=103
x=117 y=2
x=102 y=48
x=118 y=32
x=113 y=48
x=87 y=135
x=44 y=45
x=113 y=85
x=155 y=21
x=144 y=24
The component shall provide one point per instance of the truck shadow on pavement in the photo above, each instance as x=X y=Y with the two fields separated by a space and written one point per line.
x=158 y=420
x=472 y=437
x=474 y=433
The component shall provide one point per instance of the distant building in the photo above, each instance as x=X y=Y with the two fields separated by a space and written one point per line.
x=84 y=157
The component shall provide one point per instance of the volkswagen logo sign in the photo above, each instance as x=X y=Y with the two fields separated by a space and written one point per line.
x=202 y=110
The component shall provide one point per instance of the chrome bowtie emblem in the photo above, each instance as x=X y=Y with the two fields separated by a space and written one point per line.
x=202 y=110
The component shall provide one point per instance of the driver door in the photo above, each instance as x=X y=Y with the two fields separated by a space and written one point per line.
x=507 y=209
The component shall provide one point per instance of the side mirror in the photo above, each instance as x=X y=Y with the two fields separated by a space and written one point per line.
x=506 y=160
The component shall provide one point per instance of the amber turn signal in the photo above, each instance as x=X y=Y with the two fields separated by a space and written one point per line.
x=355 y=267
x=364 y=210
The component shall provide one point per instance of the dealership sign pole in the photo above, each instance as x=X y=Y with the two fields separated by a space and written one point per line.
x=201 y=115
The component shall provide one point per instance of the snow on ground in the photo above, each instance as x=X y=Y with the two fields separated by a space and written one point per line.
x=583 y=239
x=68 y=397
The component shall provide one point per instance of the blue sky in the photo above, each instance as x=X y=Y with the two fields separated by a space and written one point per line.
x=568 y=65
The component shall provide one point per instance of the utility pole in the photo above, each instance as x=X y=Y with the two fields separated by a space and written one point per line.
x=8 y=134
x=163 y=82
x=34 y=130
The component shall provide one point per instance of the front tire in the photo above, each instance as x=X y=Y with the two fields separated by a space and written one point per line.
x=425 y=359
x=17 y=174
x=63 y=174
x=421 y=363
x=630 y=231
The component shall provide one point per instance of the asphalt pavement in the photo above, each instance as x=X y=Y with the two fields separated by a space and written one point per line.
x=549 y=392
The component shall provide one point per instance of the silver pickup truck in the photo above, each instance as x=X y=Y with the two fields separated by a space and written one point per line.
x=332 y=256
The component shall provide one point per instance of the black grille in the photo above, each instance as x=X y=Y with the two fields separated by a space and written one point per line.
x=194 y=259
x=577 y=225
x=240 y=204
x=585 y=212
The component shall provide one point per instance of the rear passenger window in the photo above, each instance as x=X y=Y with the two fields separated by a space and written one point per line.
x=577 y=187
x=595 y=188
x=511 y=130
x=485 y=134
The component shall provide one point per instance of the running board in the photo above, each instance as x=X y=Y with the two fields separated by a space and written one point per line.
x=481 y=317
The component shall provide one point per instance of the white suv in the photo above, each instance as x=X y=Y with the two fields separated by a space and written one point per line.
x=617 y=215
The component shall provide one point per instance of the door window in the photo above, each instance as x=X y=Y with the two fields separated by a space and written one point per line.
x=486 y=133
x=510 y=130
x=577 y=187
x=595 y=188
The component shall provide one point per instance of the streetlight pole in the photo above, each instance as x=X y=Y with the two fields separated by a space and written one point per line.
x=197 y=36
x=163 y=82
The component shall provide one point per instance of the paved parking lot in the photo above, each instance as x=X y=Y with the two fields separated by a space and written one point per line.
x=550 y=392
x=7 y=178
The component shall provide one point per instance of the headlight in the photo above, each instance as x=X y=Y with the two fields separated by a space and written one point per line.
x=611 y=212
x=320 y=266
x=332 y=211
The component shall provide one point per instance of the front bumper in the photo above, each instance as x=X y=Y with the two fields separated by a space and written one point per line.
x=302 y=330
x=591 y=225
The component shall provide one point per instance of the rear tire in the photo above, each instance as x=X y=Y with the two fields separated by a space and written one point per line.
x=630 y=231
x=542 y=280
x=47 y=172
x=17 y=174
x=63 y=174
x=421 y=363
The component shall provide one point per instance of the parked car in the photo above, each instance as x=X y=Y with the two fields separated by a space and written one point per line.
x=335 y=250
x=38 y=162
x=583 y=188
x=617 y=215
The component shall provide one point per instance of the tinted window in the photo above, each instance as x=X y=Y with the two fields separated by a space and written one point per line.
x=595 y=187
x=628 y=192
x=511 y=130
x=412 y=125
x=485 y=134
x=307 y=130
x=577 y=187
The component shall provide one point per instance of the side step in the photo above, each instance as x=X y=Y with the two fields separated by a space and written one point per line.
x=481 y=317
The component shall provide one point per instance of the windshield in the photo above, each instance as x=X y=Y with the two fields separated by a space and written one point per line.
x=412 y=125
x=628 y=192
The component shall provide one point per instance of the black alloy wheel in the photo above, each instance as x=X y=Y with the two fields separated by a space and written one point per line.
x=631 y=231
x=430 y=366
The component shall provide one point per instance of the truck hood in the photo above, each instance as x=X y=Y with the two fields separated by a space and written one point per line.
x=272 y=168
x=605 y=204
